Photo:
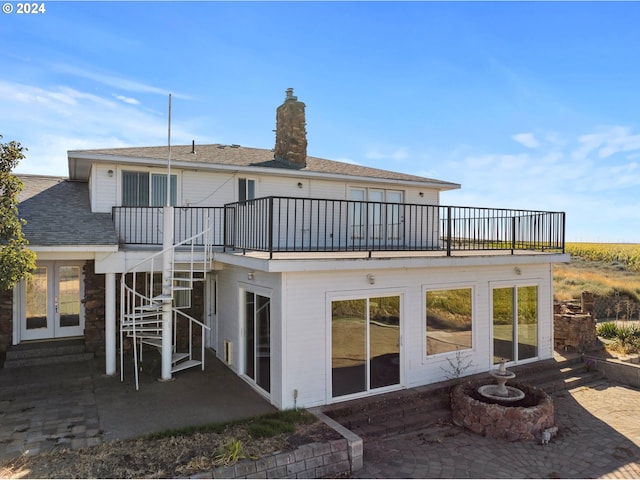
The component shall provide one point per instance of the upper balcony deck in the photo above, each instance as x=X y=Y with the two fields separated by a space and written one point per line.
x=274 y=225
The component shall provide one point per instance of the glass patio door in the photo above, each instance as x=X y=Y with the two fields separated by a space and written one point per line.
x=365 y=352
x=257 y=336
x=515 y=323
x=52 y=302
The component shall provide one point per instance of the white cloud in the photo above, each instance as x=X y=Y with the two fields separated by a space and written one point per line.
x=51 y=121
x=493 y=162
x=114 y=80
x=526 y=139
x=569 y=175
x=607 y=142
x=396 y=155
x=129 y=100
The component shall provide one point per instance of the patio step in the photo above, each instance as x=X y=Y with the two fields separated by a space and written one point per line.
x=422 y=407
x=394 y=413
x=45 y=353
x=554 y=376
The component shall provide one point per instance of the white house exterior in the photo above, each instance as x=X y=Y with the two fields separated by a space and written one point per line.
x=316 y=282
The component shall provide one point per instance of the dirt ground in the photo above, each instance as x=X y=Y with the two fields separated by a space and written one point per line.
x=170 y=457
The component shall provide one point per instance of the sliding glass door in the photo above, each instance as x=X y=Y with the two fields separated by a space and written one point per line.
x=365 y=350
x=257 y=340
x=515 y=323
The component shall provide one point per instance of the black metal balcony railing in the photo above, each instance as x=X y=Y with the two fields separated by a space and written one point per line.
x=287 y=224
x=143 y=225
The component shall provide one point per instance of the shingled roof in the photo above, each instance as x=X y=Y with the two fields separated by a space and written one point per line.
x=58 y=213
x=204 y=156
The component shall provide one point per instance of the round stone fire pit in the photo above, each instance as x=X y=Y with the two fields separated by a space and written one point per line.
x=522 y=420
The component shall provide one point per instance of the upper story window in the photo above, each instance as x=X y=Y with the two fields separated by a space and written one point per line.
x=144 y=189
x=246 y=189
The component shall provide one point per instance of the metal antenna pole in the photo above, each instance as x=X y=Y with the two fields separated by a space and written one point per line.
x=169 y=157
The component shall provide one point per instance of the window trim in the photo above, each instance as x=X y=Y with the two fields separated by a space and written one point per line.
x=331 y=297
x=377 y=218
x=150 y=175
x=247 y=181
x=530 y=282
x=426 y=358
x=243 y=291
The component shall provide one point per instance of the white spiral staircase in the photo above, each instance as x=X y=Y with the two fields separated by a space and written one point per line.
x=142 y=303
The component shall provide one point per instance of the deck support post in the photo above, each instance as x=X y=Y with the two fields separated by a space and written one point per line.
x=167 y=321
x=110 y=323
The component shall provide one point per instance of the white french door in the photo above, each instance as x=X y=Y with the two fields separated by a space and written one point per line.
x=376 y=216
x=52 y=302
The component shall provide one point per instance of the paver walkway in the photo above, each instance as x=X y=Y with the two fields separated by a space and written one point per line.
x=598 y=437
x=39 y=412
x=599 y=425
x=73 y=405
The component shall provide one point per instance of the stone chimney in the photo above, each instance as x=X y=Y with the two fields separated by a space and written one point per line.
x=291 y=134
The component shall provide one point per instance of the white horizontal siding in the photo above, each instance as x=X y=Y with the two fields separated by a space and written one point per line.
x=307 y=330
x=202 y=189
x=232 y=282
x=103 y=188
x=327 y=189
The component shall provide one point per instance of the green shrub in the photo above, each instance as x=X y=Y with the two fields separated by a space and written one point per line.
x=607 y=330
x=627 y=333
x=624 y=338
x=626 y=345
x=230 y=453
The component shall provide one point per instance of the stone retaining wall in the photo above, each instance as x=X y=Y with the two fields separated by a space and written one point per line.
x=616 y=307
x=575 y=332
x=618 y=370
x=497 y=421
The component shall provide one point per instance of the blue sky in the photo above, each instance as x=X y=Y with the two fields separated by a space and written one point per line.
x=529 y=105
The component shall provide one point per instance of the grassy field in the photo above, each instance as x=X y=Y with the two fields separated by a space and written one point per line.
x=602 y=268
